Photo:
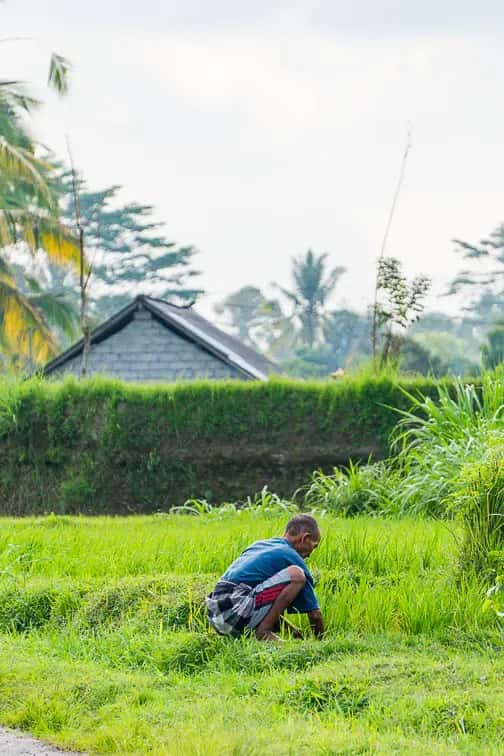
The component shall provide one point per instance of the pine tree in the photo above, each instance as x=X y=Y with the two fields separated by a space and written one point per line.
x=128 y=253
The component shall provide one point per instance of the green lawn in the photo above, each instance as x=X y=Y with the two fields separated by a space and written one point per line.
x=104 y=645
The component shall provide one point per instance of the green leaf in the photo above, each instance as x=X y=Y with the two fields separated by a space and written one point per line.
x=57 y=312
x=59 y=69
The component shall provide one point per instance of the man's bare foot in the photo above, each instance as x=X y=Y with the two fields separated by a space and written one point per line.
x=268 y=635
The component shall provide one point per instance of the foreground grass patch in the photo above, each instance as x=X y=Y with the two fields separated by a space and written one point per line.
x=104 y=645
x=422 y=699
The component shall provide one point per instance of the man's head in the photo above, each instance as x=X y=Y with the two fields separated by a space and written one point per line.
x=303 y=534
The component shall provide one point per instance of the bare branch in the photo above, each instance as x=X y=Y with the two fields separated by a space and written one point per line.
x=402 y=172
x=84 y=270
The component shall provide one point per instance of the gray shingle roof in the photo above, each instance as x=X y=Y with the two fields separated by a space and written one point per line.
x=186 y=322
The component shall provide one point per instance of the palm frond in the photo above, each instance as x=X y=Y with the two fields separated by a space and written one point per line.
x=57 y=311
x=40 y=230
x=59 y=69
x=33 y=285
x=21 y=326
x=292 y=296
x=21 y=163
x=13 y=93
x=61 y=247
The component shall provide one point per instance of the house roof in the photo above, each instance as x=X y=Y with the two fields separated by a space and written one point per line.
x=187 y=323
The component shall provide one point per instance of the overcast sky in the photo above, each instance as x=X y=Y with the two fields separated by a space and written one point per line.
x=261 y=129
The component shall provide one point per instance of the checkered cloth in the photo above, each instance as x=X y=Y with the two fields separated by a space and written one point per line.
x=234 y=607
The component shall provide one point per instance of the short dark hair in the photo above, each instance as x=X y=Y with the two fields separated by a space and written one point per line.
x=302 y=523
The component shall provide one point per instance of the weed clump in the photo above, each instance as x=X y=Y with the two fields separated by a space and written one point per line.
x=441 y=717
x=345 y=697
x=25 y=609
x=190 y=654
x=354 y=490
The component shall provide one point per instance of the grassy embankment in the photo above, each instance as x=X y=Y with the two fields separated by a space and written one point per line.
x=104 y=645
x=104 y=447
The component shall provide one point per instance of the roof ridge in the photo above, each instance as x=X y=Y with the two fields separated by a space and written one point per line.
x=170 y=304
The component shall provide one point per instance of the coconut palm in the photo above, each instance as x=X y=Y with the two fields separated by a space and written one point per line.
x=29 y=216
x=312 y=287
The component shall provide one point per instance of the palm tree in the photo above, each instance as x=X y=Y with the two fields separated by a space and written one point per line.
x=45 y=288
x=29 y=216
x=312 y=288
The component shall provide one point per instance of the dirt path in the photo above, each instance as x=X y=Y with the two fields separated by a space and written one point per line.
x=16 y=744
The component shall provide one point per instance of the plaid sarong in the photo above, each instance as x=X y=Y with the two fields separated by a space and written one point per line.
x=234 y=607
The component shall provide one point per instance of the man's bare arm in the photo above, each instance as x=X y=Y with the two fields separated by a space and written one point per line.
x=316 y=622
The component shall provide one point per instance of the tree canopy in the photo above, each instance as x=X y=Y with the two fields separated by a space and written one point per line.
x=486 y=284
x=128 y=252
x=312 y=286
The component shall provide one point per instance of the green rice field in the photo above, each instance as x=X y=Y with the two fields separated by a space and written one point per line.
x=104 y=645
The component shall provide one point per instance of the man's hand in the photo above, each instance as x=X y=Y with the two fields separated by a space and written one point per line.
x=316 y=622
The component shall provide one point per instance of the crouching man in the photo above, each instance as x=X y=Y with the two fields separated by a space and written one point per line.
x=269 y=578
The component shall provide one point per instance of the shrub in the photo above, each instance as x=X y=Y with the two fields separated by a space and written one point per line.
x=10 y=402
x=354 y=490
x=479 y=501
x=436 y=438
x=343 y=697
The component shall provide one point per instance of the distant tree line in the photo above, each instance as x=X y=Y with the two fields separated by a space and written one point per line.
x=309 y=338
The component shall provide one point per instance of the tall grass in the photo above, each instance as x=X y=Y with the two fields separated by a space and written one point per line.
x=432 y=442
x=479 y=502
x=106 y=547
x=150 y=575
x=437 y=438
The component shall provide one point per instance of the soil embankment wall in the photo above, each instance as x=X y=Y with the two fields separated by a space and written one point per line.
x=102 y=446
